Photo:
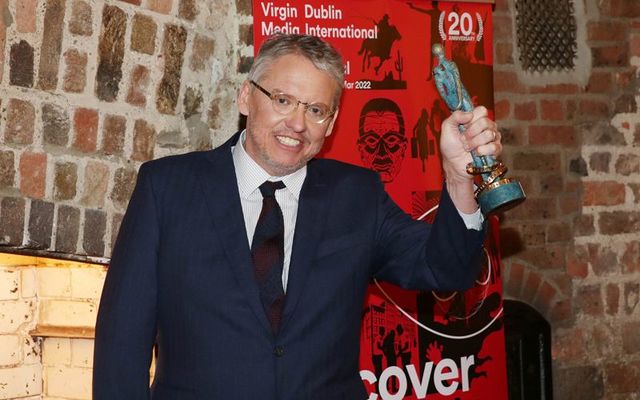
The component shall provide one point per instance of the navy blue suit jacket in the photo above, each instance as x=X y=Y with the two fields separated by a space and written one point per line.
x=181 y=276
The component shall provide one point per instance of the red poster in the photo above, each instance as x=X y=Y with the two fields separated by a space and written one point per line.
x=414 y=345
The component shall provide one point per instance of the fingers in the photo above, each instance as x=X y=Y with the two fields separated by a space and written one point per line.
x=482 y=134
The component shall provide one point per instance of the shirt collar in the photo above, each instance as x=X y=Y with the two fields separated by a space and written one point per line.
x=250 y=175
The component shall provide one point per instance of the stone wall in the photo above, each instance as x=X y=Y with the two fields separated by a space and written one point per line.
x=572 y=250
x=91 y=89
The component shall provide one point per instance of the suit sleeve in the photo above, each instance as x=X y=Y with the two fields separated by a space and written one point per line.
x=126 y=324
x=416 y=255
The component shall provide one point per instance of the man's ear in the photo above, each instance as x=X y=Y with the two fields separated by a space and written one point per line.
x=331 y=123
x=243 y=98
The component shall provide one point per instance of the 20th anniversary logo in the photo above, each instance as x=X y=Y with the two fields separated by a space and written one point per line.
x=460 y=27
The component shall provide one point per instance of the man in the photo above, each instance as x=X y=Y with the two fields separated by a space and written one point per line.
x=188 y=273
x=382 y=142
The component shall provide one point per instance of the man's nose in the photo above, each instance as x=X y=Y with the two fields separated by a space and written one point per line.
x=296 y=120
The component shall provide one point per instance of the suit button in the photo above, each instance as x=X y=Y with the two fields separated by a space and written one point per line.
x=278 y=351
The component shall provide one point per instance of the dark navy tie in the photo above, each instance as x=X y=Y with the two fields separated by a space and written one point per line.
x=267 y=253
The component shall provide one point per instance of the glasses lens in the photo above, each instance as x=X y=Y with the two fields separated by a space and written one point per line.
x=283 y=103
x=318 y=112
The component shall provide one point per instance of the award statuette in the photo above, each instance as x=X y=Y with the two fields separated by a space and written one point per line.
x=496 y=193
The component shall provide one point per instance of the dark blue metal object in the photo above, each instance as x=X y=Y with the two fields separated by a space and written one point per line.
x=496 y=193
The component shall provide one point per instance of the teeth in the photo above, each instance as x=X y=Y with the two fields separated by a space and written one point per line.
x=287 y=141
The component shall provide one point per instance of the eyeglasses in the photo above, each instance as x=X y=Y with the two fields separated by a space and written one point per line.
x=285 y=104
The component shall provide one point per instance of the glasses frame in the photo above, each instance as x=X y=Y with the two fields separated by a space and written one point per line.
x=295 y=107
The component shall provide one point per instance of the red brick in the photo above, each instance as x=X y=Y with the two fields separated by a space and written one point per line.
x=501 y=6
x=502 y=28
x=533 y=234
x=619 y=8
x=536 y=161
x=20 y=119
x=599 y=162
x=613 y=299
x=85 y=123
x=113 y=133
x=628 y=164
x=561 y=313
x=551 y=256
x=26 y=16
x=552 y=110
x=513 y=135
x=551 y=184
x=187 y=9
x=51 y=44
x=599 y=82
x=630 y=337
x=138 y=87
x=502 y=109
x=569 y=204
x=606 y=31
x=144 y=141
x=525 y=111
x=33 y=174
x=503 y=53
x=589 y=300
x=631 y=258
x=81 y=19
x=161 y=6
x=604 y=261
x=622 y=79
x=634 y=44
x=610 y=56
x=606 y=193
x=552 y=134
x=75 y=75
x=569 y=345
x=615 y=222
x=623 y=377
x=560 y=88
x=594 y=108
x=507 y=82
x=21 y=64
x=535 y=209
x=578 y=262
x=559 y=232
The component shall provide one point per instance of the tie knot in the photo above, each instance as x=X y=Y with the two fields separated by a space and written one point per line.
x=268 y=189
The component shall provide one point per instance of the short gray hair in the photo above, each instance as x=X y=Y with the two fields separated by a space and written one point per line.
x=323 y=55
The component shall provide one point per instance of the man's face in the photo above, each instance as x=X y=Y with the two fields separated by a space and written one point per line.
x=382 y=145
x=282 y=144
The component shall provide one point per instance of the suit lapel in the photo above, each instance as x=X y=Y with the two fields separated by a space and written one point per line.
x=312 y=209
x=220 y=188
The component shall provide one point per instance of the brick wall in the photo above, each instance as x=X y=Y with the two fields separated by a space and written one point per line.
x=114 y=83
x=572 y=250
x=91 y=89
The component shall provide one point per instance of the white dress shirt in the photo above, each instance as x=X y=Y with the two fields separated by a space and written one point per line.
x=250 y=176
